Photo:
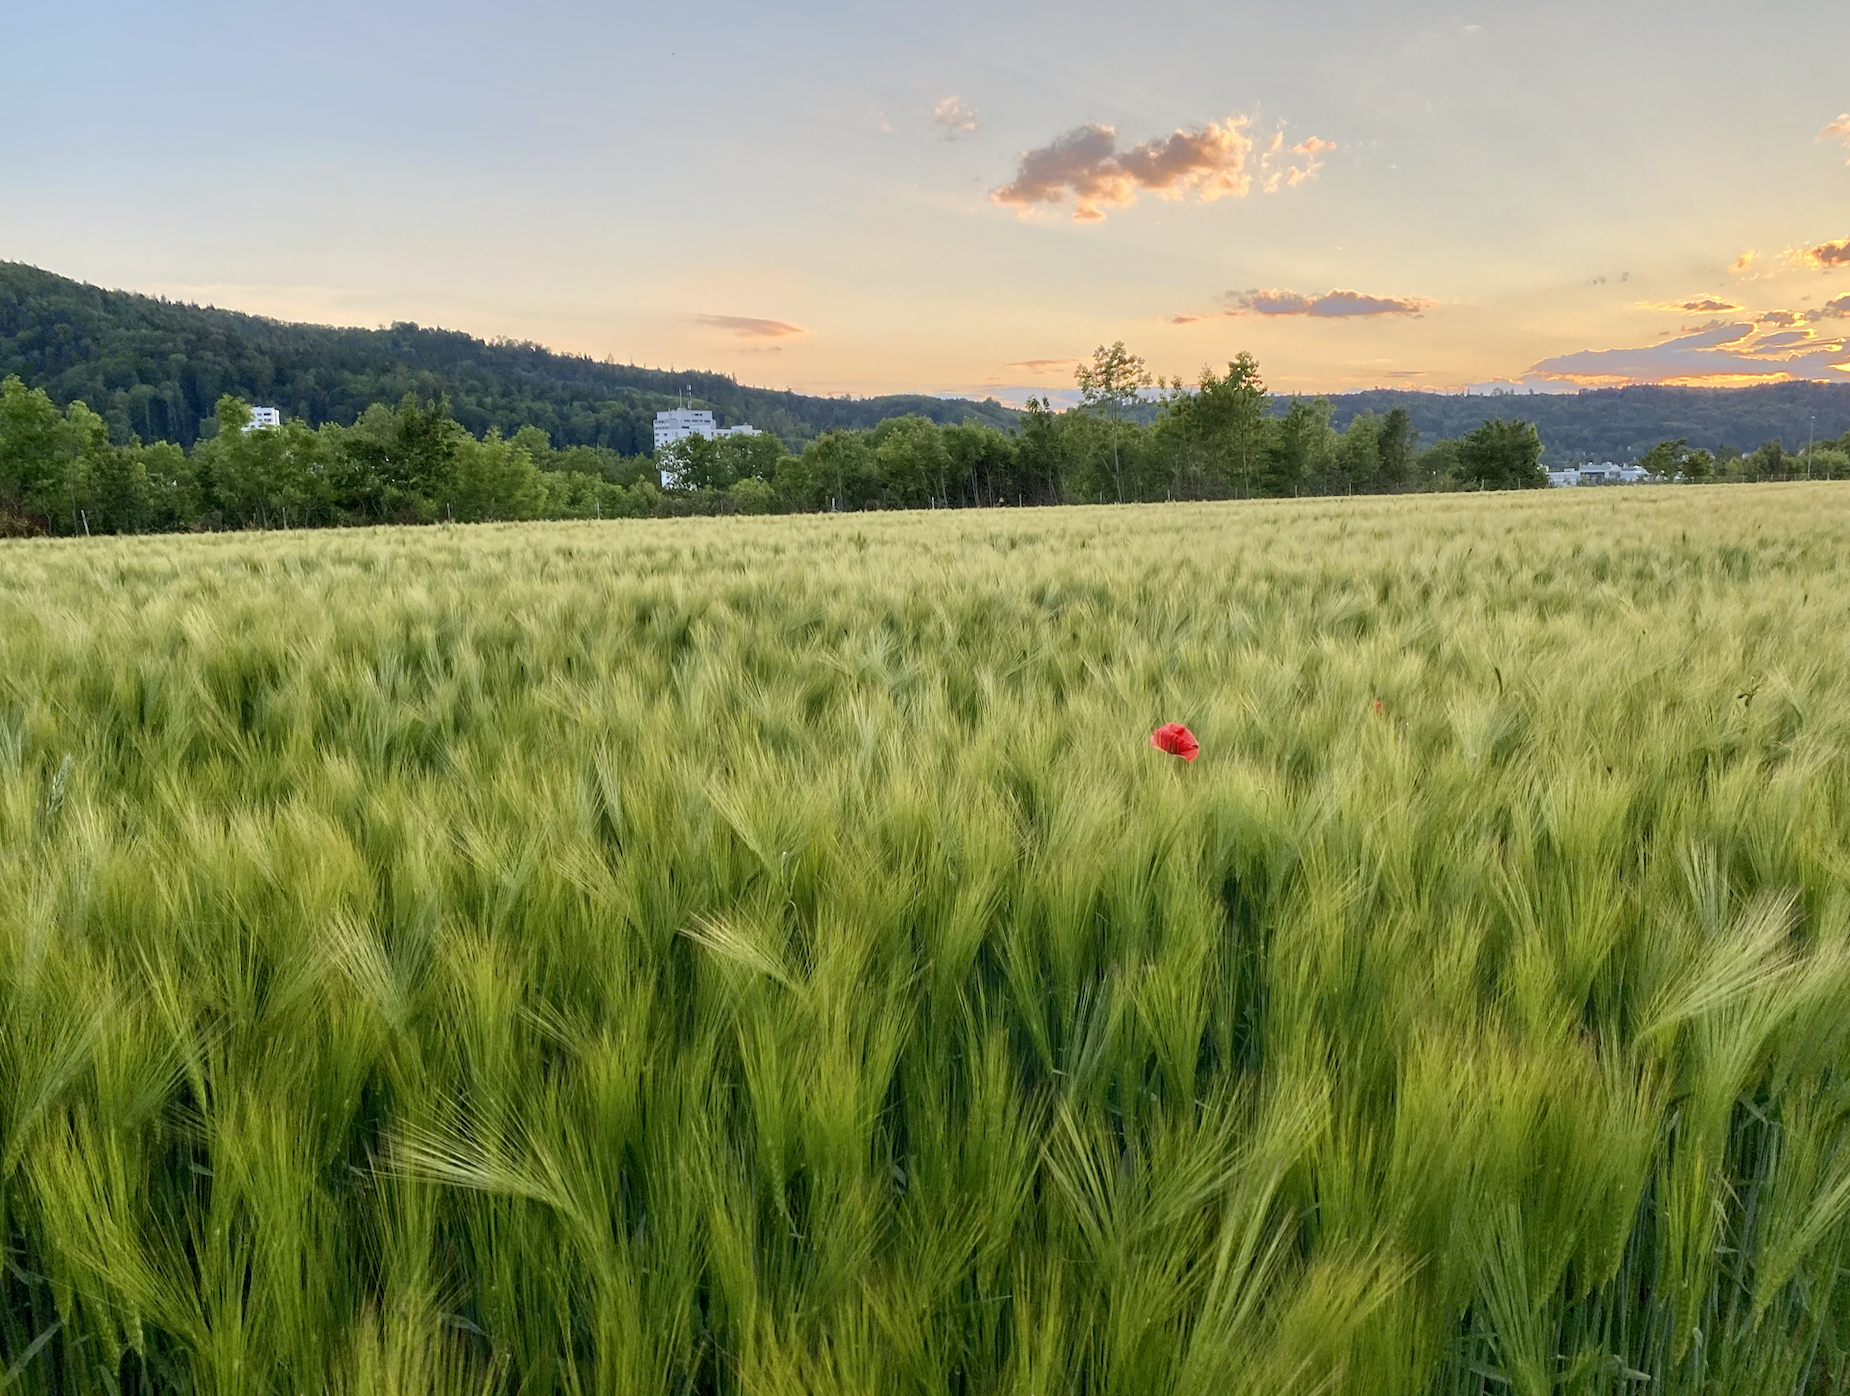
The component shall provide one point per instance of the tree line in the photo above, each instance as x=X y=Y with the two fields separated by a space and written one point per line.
x=61 y=473
x=1219 y=437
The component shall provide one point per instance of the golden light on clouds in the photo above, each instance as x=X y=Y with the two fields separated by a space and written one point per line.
x=1826 y=255
x=1718 y=355
x=1696 y=305
x=1838 y=130
x=1203 y=163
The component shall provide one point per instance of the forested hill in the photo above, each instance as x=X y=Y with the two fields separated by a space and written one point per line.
x=155 y=369
x=1621 y=424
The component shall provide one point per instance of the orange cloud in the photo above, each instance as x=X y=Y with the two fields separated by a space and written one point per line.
x=1278 y=171
x=1331 y=305
x=1840 y=129
x=1203 y=162
x=1183 y=319
x=1700 y=305
x=748 y=327
x=1825 y=254
x=1042 y=365
x=1743 y=262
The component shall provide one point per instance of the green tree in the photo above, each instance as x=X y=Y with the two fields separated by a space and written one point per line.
x=694 y=463
x=1503 y=454
x=752 y=457
x=1214 y=431
x=840 y=466
x=115 y=490
x=173 y=486
x=1439 y=466
x=1042 y=456
x=395 y=463
x=1109 y=385
x=913 y=463
x=1830 y=463
x=1698 y=466
x=1768 y=462
x=1666 y=458
x=1301 y=446
x=495 y=479
x=1396 y=447
x=1358 y=453
x=985 y=466
x=751 y=495
x=32 y=451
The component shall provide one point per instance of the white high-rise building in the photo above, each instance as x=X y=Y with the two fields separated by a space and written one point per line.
x=264 y=417
x=683 y=422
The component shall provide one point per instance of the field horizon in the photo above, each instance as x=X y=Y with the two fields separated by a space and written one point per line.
x=766 y=955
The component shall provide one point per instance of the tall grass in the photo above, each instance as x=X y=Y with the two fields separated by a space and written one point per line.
x=765 y=956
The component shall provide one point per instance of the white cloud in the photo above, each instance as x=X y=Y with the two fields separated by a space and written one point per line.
x=956 y=116
x=1838 y=130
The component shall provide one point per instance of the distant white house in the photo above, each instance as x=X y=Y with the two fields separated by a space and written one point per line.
x=264 y=417
x=1604 y=473
x=680 y=423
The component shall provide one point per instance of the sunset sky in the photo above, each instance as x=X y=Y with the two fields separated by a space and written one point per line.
x=966 y=197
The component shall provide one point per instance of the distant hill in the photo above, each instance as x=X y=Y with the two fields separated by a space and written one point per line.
x=156 y=368
x=1623 y=423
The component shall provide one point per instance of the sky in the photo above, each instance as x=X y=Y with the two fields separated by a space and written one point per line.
x=968 y=198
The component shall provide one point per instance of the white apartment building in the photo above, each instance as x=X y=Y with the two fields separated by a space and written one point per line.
x=1603 y=473
x=683 y=422
x=264 y=417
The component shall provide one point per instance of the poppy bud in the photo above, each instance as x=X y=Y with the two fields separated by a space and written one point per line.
x=1177 y=740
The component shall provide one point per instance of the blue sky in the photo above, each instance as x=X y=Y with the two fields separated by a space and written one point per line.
x=807 y=195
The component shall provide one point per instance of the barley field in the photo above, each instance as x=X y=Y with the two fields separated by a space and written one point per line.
x=766 y=956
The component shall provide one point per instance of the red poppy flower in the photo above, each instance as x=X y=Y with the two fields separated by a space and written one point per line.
x=1177 y=740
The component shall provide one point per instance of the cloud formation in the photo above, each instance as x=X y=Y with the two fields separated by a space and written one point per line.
x=1740 y=264
x=1699 y=305
x=1331 y=305
x=1719 y=353
x=1825 y=254
x=749 y=327
x=1042 y=365
x=1278 y=169
x=1203 y=162
x=956 y=116
x=1838 y=129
